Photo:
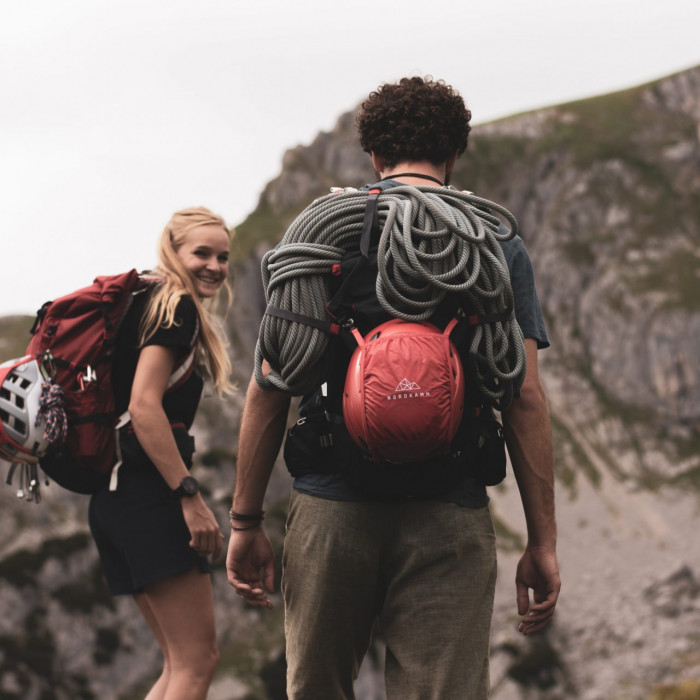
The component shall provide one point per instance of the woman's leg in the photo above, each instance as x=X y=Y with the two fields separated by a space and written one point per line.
x=180 y=611
x=157 y=692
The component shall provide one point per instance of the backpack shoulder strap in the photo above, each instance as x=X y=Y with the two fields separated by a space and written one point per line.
x=181 y=373
x=339 y=305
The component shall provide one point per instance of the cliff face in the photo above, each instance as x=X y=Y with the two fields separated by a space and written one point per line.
x=610 y=216
x=606 y=192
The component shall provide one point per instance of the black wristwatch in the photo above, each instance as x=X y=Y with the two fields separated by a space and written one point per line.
x=188 y=487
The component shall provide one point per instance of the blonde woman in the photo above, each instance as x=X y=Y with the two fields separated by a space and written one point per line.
x=154 y=533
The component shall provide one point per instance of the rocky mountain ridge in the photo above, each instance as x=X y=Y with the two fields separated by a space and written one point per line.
x=606 y=192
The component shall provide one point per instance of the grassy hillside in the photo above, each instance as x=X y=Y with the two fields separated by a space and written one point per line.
x=14 y=336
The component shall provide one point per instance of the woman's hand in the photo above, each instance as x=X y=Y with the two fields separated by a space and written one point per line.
x=205 y=536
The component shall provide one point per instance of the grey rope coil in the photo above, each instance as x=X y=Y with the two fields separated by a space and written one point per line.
x=434 y=242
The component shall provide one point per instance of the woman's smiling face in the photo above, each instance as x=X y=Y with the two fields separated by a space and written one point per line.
x=204 y=253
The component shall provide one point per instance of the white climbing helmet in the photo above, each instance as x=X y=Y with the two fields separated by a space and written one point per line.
x=21 y=438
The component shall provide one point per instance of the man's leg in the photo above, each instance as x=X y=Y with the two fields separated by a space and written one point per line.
x=329 y=583
x=441 y=574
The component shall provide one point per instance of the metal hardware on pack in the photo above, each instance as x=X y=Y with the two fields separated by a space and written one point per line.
x=47 y=366
x=29 y=486
x=89 y=376
x=298 y=424
x=34 y=492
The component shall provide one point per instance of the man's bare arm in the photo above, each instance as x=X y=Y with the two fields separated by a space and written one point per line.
x=262 y=430
x=529 y=437
x=250 y=552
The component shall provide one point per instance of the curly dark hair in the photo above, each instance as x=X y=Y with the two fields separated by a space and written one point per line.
x=412 y=120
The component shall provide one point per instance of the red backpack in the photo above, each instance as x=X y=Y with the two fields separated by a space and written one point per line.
x=64 y=385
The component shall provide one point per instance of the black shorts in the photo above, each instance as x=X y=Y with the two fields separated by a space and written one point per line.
x=140 y=531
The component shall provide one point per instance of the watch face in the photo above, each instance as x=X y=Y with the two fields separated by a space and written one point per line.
x=189 y=485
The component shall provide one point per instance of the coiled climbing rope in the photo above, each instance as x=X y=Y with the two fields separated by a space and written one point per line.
x=52 y=411
x=434 y=242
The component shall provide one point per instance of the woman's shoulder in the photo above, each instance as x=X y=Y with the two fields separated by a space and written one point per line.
x=179 y=325
x=185 y=308
x=186 y=305
x=186 y=314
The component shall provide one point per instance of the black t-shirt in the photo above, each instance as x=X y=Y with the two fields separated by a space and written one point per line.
x=180 y=404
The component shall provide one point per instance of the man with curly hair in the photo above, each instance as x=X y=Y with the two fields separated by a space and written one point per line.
x=420 y=571
x=414 y=121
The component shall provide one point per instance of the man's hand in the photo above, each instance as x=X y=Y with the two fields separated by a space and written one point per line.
x=249 y=552
x=537 y=570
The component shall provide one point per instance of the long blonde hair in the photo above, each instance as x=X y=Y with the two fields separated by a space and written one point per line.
x=178 y=282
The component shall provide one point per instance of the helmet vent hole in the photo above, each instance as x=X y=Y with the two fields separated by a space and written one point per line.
x=19 y=401
x=25 y=384
x=4 y=393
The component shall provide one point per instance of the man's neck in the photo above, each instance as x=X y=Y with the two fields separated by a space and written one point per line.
x=409 y=173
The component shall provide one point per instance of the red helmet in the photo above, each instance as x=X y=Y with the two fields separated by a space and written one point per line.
x=404 y=391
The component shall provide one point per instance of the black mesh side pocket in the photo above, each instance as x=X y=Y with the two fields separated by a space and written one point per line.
x=308 y=448
x=485 y=448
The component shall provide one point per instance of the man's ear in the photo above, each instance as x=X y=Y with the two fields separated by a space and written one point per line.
x=378 y=163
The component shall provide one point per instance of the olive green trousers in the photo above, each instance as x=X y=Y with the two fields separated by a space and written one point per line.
x=423 y=571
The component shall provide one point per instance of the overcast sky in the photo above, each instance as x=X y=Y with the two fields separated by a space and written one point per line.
x=115 y=113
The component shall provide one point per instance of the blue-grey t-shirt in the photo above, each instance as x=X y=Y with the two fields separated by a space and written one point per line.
x=469 y=492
